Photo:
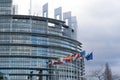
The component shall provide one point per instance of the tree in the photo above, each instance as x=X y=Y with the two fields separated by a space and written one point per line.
x=115 y=77
x=98 y=73
x=107 y=73
x=103 y=73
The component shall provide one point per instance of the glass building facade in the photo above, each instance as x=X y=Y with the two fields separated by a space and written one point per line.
x=28 y=43
x=5 y=7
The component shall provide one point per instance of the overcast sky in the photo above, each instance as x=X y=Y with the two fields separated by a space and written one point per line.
x=98 y=26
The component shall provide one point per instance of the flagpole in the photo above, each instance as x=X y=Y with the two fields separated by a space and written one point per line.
x=30 y=11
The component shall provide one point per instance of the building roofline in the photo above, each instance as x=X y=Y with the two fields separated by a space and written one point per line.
x=51 y=20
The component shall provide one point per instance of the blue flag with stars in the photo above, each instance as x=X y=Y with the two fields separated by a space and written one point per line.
x=89 y=56
x=83 y=53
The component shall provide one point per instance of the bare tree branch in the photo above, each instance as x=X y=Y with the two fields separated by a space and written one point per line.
x=108 y=73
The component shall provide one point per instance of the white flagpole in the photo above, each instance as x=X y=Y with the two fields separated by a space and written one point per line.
x=30 y=7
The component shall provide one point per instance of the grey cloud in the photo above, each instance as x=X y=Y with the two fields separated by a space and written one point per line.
x=99 y=31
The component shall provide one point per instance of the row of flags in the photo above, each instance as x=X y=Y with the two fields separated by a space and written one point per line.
x=67 y=59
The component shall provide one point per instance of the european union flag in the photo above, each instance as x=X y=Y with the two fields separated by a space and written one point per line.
x=90 y=56
x=83 y=53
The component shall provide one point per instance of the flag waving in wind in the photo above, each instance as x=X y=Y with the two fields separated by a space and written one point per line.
x=89 y=56
x=83 y=53
x=66 y=59
x=75 y=57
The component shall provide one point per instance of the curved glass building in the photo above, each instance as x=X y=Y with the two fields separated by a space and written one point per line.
x=28 y=43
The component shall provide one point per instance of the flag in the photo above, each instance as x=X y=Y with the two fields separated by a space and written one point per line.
x=51 y=62
x=89 y=56
x=83 y=53
x=62 y=60
x=80 y=58
x=75 y=57
x=68 y=58
x=56 y=62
